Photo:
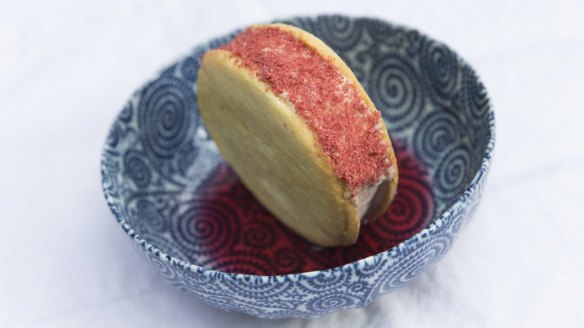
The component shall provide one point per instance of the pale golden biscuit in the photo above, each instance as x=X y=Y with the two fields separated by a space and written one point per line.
x=281 y=157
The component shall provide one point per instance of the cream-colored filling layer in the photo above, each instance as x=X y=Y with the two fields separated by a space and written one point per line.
x=366 y=198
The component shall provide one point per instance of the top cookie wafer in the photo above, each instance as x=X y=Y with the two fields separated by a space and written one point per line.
x=295 y=124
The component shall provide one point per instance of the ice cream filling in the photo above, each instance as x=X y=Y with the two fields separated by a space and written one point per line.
x=370 y=198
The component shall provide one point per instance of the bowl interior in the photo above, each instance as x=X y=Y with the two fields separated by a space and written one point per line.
x=172 y=187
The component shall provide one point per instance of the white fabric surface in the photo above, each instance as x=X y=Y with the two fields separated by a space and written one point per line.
x=66 y=69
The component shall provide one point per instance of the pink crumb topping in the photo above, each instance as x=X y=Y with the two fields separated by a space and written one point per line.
x=328 y=103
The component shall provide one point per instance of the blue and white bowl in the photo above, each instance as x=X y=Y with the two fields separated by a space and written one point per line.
x=166 y=183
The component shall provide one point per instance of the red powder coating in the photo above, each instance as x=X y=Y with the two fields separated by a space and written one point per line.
x=327 y=102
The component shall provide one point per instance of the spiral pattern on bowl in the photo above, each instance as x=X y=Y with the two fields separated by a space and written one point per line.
x=338 y=32
x=438 y=131
x=147 y=212
x=452 y=175
x=440 y=70
x=394 y=88
x=205 y=228
x=161 y=266
x=333 y=301
x=137 y=169
x=166 y=116
x=410 y=266
x=413 y=205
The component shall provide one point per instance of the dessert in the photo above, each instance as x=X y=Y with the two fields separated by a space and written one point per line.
x=294 y=123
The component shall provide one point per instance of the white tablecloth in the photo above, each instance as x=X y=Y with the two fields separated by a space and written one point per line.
x=66 y=69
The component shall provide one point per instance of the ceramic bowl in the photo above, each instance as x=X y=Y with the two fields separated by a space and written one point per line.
x=191 y=217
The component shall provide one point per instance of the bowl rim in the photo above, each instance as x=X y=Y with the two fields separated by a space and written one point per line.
x=409 y=243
